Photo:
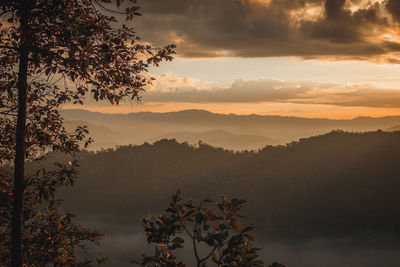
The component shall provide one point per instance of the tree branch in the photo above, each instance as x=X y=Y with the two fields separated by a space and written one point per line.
x=8 y=47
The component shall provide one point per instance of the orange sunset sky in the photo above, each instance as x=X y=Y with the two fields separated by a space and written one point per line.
x=308 y=58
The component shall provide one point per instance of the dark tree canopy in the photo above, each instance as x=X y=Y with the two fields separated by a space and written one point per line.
x=54 y=52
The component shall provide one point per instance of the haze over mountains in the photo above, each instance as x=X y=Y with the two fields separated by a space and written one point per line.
x=230 y=131
x=323 y=201
x=329 y=200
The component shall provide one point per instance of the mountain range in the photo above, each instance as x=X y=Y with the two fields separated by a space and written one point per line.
x=230 y=131
x=333 y=196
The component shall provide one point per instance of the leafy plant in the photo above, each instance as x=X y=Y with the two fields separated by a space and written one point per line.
x=218 y=233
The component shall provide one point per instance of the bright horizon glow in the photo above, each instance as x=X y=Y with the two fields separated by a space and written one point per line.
x=273 y=109
x=224 y=71
x=341 y=52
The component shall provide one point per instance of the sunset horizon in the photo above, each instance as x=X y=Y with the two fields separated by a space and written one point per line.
x=208 y=133
x=330 y=59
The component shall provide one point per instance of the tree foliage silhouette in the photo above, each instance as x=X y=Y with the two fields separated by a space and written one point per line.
x=50 y=237
x=217 y=231
x=54 y=52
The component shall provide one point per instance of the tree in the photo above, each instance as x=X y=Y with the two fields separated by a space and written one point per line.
x=54 y=52
x=218 y=226
x=50 y=236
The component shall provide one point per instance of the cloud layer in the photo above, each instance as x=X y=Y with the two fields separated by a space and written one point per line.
x=334 y=29
x=168 y=88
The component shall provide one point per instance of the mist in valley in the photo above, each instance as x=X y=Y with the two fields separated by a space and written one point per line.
x=326 y=200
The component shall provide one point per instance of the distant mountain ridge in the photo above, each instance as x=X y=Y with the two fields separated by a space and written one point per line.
x=394 y=128
x=137 y=128
x=202 y=112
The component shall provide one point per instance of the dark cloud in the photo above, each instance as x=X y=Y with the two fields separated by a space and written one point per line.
x=393 y=6
x=264 y=28
x=334 y=9
x=268 y=90
x=351 y=28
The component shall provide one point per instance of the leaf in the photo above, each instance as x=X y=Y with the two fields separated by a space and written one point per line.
x=237 y=202
x=178 y=240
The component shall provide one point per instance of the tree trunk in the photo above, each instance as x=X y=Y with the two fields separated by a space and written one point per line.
x=19 y=161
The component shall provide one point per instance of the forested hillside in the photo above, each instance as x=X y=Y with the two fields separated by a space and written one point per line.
x=323 y=185
x=335 y=186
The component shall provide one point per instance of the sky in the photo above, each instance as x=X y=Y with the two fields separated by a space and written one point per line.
x=308 y=58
